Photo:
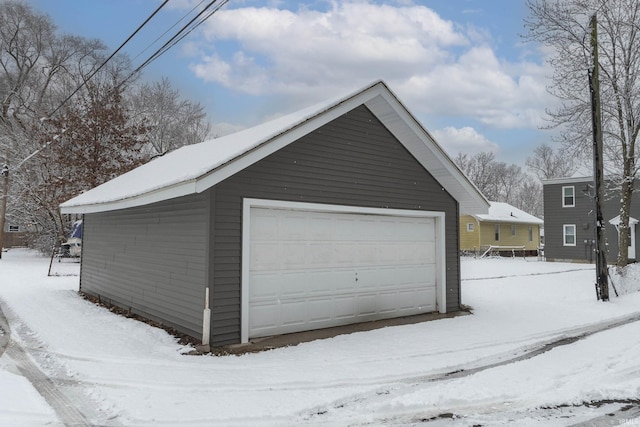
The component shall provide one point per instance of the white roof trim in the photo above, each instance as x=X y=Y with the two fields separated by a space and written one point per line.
x=570 y=180
x=217 y=159
x=616 y=221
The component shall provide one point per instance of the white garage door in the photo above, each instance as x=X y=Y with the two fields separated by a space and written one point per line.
x=310 y=270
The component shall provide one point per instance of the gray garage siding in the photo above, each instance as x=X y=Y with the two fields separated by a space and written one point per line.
x=353 y=161
x=151 y=259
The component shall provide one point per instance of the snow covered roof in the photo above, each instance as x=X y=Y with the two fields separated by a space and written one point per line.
x=504 y=212
x=568 y=180
x=195 y=168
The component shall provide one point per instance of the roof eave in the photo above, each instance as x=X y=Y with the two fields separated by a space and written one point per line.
x=165 y=193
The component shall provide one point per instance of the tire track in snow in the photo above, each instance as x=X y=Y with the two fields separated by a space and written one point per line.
x=384 y=393
x=66 y=409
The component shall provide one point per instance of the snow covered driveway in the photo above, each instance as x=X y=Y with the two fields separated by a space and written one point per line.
x=122 y=372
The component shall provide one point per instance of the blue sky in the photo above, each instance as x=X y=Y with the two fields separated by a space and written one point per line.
x=460 y=66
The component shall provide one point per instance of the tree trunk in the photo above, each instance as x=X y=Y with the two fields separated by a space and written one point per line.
x=625 y=212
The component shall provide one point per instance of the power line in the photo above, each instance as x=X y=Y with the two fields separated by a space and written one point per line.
x=184 y=31
x=181 y=34
x=108 y=59
x=167 y=30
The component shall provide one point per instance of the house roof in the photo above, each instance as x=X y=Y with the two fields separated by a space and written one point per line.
x=504 y=212
x=567 y=180
x=195 y=168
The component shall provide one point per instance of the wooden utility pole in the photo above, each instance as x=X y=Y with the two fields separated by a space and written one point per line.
x=602 y=283
x=3 y=208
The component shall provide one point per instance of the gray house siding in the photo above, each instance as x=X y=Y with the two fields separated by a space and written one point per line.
x=353 y=160
x=555 y=216
x=583 y=216
x=151 y=259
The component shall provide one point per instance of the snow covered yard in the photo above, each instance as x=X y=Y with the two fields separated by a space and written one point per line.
x=118 y=371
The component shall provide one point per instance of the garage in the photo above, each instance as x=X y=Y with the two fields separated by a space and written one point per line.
x=343 y=212
x=316 y=266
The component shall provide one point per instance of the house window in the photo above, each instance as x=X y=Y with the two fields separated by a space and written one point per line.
x=470 y=227
x=14 y=228
x=568 y=197
x=569 y=234
x=513 y=230
x=497 y=232
x=531 y=233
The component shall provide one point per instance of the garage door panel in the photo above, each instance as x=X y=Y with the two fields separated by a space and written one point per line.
x=319 y=255
x=321 y=310
x=293 y=228
x=293 y=312
x=265 y=287
x=292 y=255
x=265 y=256
x=264 y=318
x=322 y=269
x=366 y=305
x=322 y=228
x=344 y=253
x=264 y=227
x=344 y=308
x=293 y=285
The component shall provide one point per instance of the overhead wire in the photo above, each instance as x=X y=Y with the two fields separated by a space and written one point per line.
x=184 y=31
x=84 y=82
x=167 y=30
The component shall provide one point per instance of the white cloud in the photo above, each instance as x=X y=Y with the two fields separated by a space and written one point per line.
x=463 y=140
x=313 y=54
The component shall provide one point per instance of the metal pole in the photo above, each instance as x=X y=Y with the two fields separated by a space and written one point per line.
x=602 y=284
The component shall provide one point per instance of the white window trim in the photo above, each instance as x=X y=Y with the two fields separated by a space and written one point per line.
x=498 y=231
x=530 y=231
x=564 y=234
x=573 y=189
x=440 y=235
x=470 y=227
x=514 y=230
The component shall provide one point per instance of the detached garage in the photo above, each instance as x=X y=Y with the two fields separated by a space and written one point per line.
x=341 y=213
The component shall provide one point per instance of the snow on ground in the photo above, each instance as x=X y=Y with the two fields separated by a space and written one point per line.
x=124 y=372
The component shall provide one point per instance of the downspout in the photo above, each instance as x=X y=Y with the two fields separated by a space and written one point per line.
x=206 y=322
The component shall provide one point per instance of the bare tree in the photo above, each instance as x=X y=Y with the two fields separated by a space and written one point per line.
x=501 y=182
x=564 y=26
x=172 y=122
x=38 y=69
x=547 y=163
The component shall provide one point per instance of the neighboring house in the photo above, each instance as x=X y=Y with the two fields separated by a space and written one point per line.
x=569 y=220
x=504 y=228
x=340 y=213
x=17 y=234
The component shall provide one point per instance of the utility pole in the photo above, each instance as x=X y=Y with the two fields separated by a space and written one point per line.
x=602 y=284
x=5 y=195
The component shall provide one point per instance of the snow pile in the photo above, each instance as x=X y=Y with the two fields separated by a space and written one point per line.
x=626 y=280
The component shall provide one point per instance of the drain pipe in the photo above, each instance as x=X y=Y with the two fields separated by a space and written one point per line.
x=206 y=321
